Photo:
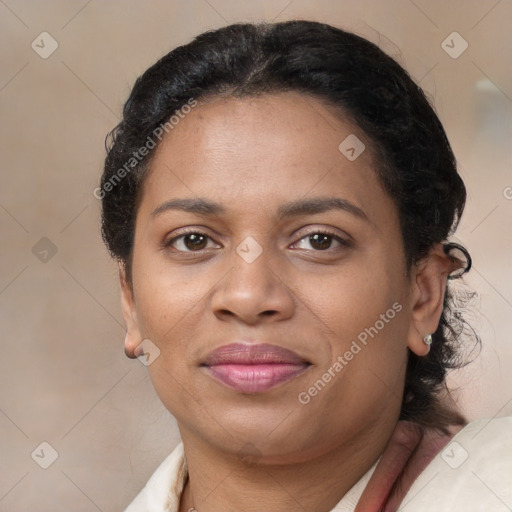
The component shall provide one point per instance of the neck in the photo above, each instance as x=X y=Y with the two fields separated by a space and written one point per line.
x=219 y=481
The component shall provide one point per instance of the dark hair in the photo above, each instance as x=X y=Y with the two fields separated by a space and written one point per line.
x=415 y=163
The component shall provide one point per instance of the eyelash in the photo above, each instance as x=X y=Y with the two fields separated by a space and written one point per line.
x=341 y=241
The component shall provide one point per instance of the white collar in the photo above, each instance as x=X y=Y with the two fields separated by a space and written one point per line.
x=163 y=490
x=442 y=486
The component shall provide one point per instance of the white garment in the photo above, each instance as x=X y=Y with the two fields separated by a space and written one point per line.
x=472 y=473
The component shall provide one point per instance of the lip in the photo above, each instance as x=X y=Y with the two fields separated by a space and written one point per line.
x=253 y=368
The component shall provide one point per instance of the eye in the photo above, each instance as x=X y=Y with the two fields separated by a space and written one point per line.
x=320 y=241
x=192 y=241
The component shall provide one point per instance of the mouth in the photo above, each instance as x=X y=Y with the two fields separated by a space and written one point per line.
x=250 y=368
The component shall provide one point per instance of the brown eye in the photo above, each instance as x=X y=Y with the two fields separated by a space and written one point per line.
x=320 y=241
x=191 y=242
x=194 y=241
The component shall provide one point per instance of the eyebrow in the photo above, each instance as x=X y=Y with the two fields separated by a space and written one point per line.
x=319 y=205
x=199 y=206
x=293 y=209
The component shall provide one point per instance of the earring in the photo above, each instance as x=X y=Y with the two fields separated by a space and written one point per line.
x=428 y=339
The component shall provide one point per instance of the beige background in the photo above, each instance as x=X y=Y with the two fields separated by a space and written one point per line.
x=64 y=378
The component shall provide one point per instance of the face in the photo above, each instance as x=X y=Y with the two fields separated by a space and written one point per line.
x=268 y=271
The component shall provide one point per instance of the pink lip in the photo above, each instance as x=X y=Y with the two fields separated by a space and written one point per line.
x=250 y=368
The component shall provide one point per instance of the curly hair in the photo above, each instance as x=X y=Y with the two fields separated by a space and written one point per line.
x=415 y=162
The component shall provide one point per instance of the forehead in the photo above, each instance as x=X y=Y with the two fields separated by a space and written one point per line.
x=264 y=150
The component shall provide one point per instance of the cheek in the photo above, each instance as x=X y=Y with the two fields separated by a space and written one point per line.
x=351 y=299
x=365 y=321
x=167 y=298
x=368 y=329
x=169 y=308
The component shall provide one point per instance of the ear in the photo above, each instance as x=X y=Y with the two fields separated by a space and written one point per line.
x=428 y=289
x=133 y=338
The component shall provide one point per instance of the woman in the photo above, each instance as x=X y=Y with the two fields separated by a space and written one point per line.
x=279 y=198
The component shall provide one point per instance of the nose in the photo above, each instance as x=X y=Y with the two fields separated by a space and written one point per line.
x=253 y=293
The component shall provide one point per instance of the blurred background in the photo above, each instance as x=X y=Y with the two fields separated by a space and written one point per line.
x=70 y=401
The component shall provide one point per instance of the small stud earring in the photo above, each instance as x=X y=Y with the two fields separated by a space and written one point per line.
x=428 y=339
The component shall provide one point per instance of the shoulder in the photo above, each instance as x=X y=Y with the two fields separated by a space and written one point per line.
x=163 y=489
x=472 y=472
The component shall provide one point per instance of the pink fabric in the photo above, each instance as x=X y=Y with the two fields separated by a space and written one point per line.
x=407 y=454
